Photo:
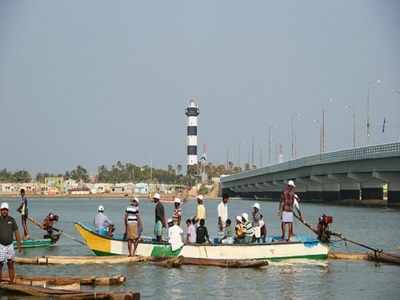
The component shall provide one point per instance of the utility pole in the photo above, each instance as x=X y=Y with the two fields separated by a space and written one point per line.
x=354 y=129
x=269 y=145
x=323 y=132
x=252 y=152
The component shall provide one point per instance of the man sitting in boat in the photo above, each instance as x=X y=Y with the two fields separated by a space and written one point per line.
x=102 y=223
x=202 y=233
x=174 y=234
x=240 y=231
x=48 y=224
x=248 y=238
x=228 y=237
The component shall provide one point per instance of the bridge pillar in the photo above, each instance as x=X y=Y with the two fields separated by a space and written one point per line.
x=371 y=191
x=350 y=191
x=393 y=181
x=314 y=192
x=330 y=192
x=394 y=193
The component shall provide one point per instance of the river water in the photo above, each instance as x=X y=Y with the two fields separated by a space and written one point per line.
x=306 y=279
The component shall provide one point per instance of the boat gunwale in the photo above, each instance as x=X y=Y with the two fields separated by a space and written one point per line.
x=202 y=245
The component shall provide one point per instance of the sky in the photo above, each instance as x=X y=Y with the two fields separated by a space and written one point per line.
x=93 y=82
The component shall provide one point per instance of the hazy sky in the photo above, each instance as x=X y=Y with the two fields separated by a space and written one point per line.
x=92 y=82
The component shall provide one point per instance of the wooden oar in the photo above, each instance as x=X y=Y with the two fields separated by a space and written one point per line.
x=56 y=229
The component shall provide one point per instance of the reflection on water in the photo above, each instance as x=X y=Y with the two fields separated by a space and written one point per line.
x=303 y=279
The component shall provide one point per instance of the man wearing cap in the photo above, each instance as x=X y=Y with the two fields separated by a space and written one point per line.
x=201 y=209
x=286 y=209
x=257 y=221
x=8 y=228
x=159 y=217
x=102 y=223
x=177 y=215
x=174 y=235
x=133 y=225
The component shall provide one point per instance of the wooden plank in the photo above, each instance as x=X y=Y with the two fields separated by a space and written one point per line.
x=79 y=260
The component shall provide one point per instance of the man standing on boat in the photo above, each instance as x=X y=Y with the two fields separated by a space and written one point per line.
x=23 y=210
x=8 y=228
x=159 y=218
x=177 y=211
x=223 y=212
x=201 y=209
x=286 y=209
x=133 y=225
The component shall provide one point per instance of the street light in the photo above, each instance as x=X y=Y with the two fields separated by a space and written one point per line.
x=293 y=134
x=370 y=85
x=351 y=109
x=320 y=135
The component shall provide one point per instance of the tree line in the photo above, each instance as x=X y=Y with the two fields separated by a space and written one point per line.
x=127 y=172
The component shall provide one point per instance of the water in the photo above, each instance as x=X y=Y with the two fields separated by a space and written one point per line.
x=306 y=280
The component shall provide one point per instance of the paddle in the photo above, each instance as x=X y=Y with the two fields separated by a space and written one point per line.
x=56 y=229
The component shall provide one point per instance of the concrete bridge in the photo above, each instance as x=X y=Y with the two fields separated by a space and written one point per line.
x=357 y=174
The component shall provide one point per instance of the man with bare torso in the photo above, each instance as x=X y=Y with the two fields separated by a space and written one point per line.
x=286 y=209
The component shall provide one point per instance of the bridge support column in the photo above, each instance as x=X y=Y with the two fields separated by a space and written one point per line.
x=394 y=193
x=331 y=192
x=350 y=191
x=314 y=192
x=371 y=191
x=301 y=190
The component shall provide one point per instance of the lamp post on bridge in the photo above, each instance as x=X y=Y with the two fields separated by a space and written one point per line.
x=294 y=117
x=353 y=113
x=370 y=85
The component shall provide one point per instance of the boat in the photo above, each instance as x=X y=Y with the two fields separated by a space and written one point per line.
x=63 y=292
x=39 y=243
x=273 y=250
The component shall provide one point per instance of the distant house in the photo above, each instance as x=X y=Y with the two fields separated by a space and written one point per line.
x=141 y=188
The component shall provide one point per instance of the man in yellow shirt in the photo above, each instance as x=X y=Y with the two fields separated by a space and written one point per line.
x=201 y=209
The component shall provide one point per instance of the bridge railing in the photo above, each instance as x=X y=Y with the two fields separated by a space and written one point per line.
x=370 y=152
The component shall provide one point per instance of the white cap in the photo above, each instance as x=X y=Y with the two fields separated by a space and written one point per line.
x=100 y=208
x=245 y=216
x=291 y=183
x=239 y=218
x=177 y=200
x=135 y=199
x=170 y=220
x=156 y=196
x=4 y=205
x=256 y=205
x=200 y=197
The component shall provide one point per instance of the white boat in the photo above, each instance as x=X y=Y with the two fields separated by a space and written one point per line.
x=273 y=250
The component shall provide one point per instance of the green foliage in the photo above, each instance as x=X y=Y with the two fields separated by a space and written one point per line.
x=20 y=176
x=80 y=174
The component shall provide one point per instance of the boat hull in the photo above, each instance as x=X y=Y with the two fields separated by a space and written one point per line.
x=102 y=245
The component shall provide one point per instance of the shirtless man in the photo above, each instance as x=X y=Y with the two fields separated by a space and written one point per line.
x=286 y=209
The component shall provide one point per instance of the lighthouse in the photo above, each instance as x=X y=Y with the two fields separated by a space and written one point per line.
x=192 y=113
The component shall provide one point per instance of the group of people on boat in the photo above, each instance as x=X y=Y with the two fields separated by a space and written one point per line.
x=247 y=229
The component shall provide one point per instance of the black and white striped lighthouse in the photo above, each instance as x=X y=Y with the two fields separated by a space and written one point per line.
x=192 y=113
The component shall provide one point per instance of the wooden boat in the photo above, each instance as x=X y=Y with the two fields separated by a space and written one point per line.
x=274 y=249
x=390 y=258
x=39 y=243
x=56 y=293
x=68 y=280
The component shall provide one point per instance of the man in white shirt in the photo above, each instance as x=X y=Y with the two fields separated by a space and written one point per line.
x=223 y=212
x=174 y=235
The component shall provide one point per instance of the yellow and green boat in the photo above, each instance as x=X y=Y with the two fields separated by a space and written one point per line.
x=274 y=249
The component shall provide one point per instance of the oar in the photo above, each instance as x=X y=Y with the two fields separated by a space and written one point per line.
x=58 y=230
x=304 y=222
